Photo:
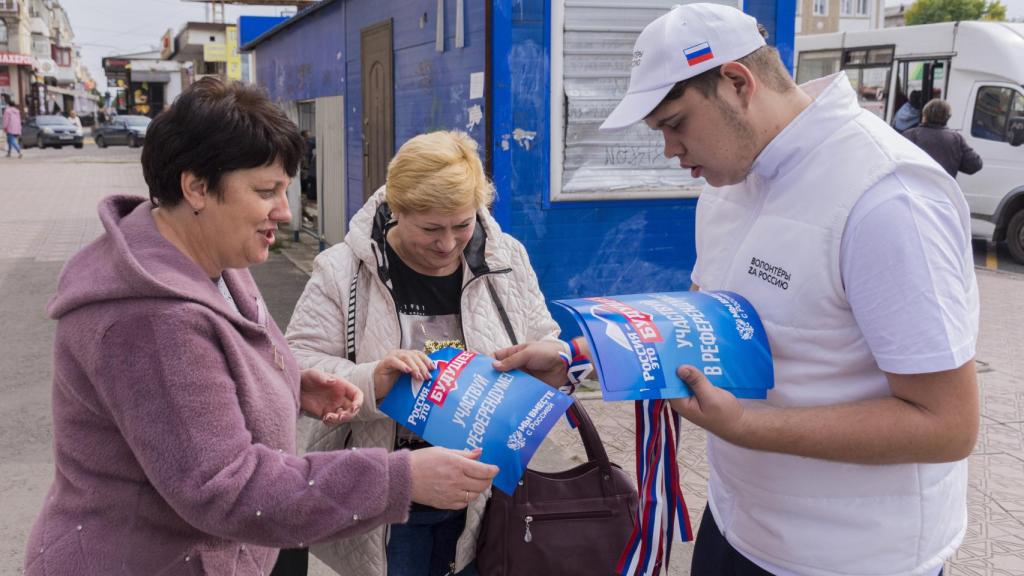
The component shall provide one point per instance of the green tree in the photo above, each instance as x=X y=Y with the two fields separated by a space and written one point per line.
x=928 y=11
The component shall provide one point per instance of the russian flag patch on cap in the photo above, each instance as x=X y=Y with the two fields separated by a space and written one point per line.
x=698 y=53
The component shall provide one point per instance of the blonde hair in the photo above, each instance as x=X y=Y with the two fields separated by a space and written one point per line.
x=437 y=171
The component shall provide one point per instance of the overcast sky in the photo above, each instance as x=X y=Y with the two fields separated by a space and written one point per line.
x=109 y=27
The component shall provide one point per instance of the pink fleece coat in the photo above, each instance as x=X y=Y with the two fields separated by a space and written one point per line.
x=174 y=424
x=12 y=121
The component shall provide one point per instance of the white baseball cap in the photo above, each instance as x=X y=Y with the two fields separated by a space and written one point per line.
x=689 y=40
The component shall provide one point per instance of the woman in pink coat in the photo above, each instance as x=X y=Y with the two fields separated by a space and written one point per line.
x=175 y=396
x=12 y=125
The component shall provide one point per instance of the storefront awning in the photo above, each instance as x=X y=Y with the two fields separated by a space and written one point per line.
x=147 y=76
x=69 y=92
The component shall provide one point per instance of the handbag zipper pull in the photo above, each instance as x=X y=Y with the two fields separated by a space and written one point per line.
x=528 y=537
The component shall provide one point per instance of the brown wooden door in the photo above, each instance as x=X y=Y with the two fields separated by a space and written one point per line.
x=378 y=105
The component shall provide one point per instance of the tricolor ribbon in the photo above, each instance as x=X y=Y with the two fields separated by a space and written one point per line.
x=662 y=518
x=577 y=367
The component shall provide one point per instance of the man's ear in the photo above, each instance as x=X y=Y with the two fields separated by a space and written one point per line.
x=739 y=84
x=193 y=190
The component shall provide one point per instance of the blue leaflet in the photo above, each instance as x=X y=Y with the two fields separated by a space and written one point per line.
x=467 y=404
x=638 y=340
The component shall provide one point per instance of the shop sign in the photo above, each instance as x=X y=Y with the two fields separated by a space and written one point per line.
x=15 y=59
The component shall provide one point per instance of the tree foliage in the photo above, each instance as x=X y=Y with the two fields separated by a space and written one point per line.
x=928 y=11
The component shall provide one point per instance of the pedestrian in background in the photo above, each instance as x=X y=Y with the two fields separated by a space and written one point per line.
x=947 y=147
x=856 y=462
x=12 y=125
x=73 y=117
x=307 y=167
x=908 y=115
x=175 y=396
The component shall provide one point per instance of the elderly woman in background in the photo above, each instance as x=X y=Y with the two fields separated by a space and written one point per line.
x=945 y=146
x=424 y=266
x=175 y=396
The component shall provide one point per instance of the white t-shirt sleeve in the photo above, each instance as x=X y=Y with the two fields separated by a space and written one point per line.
x=908 y=271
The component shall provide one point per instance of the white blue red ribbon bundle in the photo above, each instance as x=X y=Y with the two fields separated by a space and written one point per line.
x=662 y=518
x=636 y=342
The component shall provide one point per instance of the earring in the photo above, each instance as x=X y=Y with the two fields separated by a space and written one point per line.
x=196 y=211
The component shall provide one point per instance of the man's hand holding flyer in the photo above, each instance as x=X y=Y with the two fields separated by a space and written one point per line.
x=638 y=340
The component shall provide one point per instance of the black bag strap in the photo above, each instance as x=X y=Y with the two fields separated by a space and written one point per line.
x=501 y=312
x=588 y=432
x=350 y=333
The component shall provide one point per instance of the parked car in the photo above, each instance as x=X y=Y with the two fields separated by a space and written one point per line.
x=124 y=130
x=50 y=130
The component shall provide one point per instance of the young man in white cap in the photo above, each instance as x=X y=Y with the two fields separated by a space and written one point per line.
x=854 y=247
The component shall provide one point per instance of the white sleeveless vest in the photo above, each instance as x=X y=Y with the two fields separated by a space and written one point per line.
x=775 y=239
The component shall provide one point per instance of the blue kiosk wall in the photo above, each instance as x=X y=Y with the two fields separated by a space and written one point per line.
x=318 y=55
x=582 y=248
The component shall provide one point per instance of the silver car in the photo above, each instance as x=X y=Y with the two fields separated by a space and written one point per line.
x=122 y=130
x=50 y=131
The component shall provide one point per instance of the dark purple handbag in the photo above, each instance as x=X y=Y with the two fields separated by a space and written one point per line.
x=573 y=522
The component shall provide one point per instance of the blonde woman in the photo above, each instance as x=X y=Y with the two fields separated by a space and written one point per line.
x=428 y=267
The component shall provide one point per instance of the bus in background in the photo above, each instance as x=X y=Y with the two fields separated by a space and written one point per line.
x=978 y=67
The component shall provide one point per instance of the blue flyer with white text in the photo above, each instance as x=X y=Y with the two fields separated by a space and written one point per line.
x=638 y=340
x=467 y=404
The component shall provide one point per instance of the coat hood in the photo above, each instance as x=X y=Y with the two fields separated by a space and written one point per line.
x=132 y=260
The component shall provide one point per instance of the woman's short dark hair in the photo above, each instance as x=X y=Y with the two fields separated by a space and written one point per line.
x=214 y=128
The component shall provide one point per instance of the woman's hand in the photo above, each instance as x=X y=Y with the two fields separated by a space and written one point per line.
x=538 y=359
x=448 y=479
x=396 y=363
x=331 y=398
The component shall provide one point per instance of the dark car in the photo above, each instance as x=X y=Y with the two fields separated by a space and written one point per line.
x=47 y=130
x=124 y=130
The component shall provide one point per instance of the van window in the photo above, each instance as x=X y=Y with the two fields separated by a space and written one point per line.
x=872 y=87
x=926 y=77
x=992 y=110
x=817 y=64
x=880 y=56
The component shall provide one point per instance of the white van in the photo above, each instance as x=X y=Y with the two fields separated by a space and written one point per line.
x=978 y=67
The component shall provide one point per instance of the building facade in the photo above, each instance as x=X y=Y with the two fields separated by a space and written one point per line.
x=822 y=16
x=16 y=62
x=896 y=16
x=40 y=66
x=143 y=83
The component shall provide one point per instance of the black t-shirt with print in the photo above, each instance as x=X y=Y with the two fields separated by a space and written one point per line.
x=429 y=310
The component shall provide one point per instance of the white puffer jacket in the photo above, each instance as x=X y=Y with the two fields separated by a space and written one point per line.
x=317 y=335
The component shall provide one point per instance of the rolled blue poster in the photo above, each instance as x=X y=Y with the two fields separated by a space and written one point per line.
x=638 y=340
x=467 y=404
